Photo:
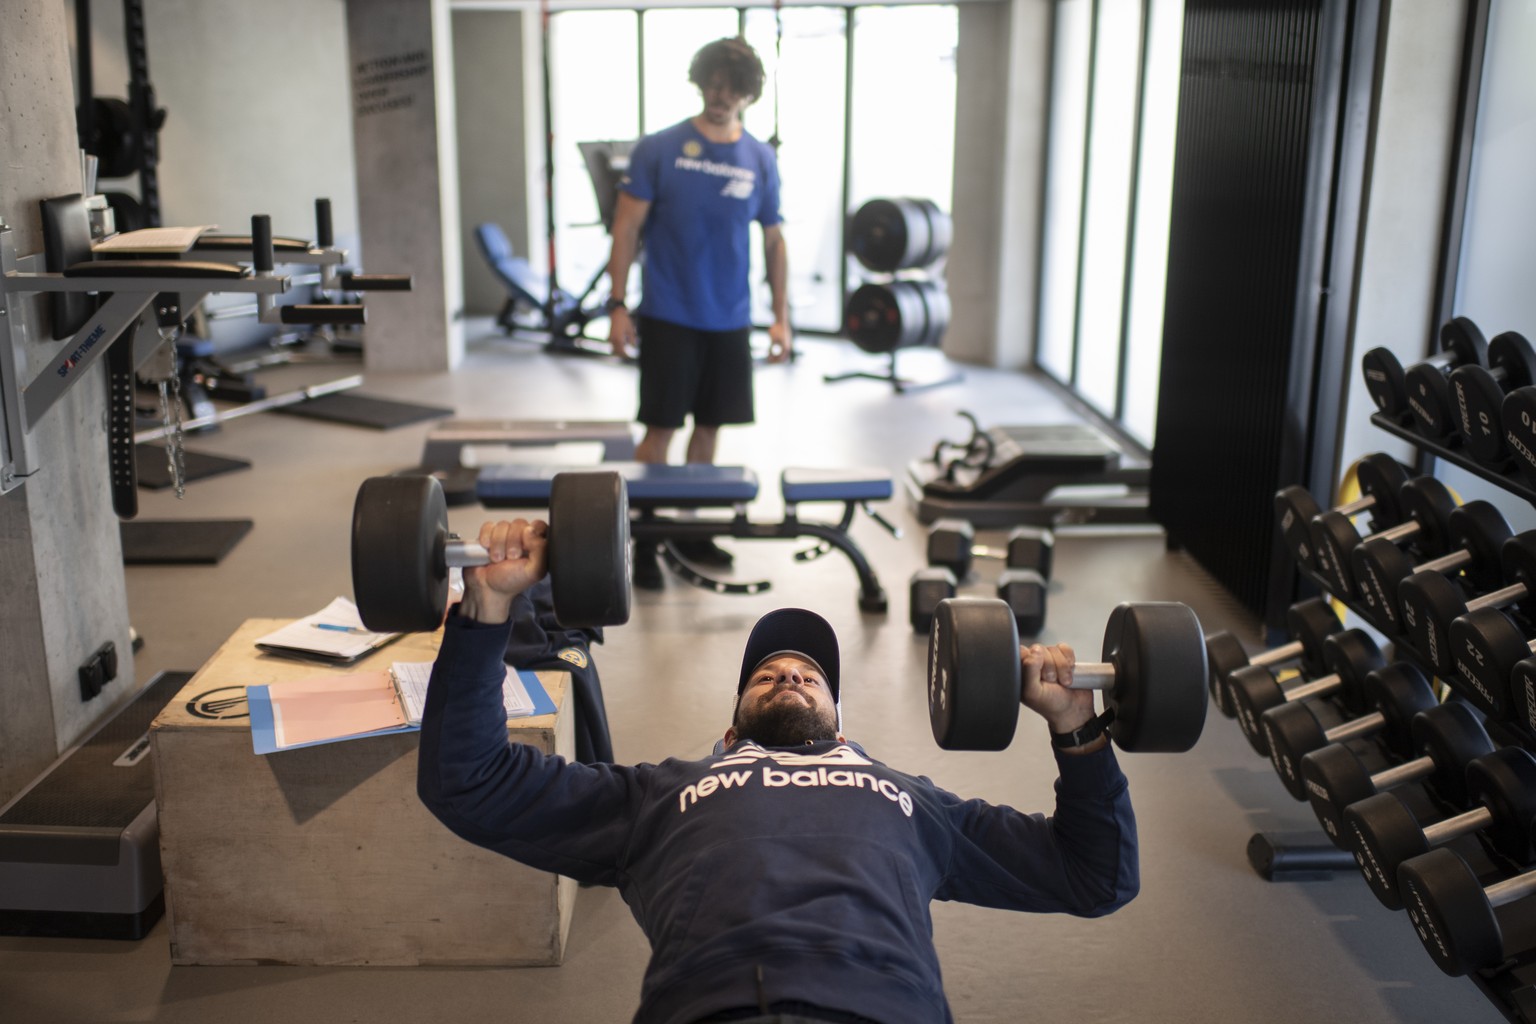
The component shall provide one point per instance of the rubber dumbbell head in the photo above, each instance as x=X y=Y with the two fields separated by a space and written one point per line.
x=1429 y=392
x=1395 y=693
x=949 y=545
x=1477 y=534
x=1023 y=591
x=1486 y=645
x=1477 y=396
x=1425 y=508
x=1348 y=655
x=1446 y=737
x=1429 y=602
x=1453 y=912
x=924 y=592
x=1501 y=787
x=1381 y=477
x=1308 y=622
x=1032 y=547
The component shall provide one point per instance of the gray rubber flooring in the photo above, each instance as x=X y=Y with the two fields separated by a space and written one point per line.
x=1206 y=941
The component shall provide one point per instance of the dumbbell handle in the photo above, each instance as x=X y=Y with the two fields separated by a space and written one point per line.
x=1362 y=726
x=463 y=554
x=1092 y=675
x=1465 y=823
x=1511 y=889
x=1398 y=532
x=1457 y=559
x=1317 y=687
x=1498 y=598
x=1402 y=774
x=1360 y=504
x=1275 y=655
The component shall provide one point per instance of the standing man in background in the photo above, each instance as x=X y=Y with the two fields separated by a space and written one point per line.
x=691 y=194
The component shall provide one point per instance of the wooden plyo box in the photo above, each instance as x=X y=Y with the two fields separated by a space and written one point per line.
x=324 y=855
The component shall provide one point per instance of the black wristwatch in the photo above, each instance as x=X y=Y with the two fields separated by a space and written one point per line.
x=1085 y=733
x=613 y=304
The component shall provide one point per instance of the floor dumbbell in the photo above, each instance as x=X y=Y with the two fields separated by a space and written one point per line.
x=926 y=588
x=1425 y=506
x=1478 y=392
x=1429 y=601
x=1308 y=621
x=1477 y=533
x=1453 y=911
x=1152 y=675
x=1447 y=737
x=1349 y=657
x=402 y=551
x=1022 y=590
x=952 y=544
x=1381 y=477
x=1383 y=833
x=1428 y=389
x=1394 y=693
x=1486 y=646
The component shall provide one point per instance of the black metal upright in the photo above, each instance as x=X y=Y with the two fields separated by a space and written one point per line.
x=146 y=118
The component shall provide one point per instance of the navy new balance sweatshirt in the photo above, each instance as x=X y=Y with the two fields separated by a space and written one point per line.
x=762 y=875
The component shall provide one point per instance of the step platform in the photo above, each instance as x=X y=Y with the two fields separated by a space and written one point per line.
x=1039 y=475
x=80 y=847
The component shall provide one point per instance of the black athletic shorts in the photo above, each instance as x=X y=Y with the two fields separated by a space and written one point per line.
x=683 y=372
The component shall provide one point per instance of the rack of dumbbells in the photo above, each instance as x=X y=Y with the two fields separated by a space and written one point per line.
x=953 y=554
x=1431 y=789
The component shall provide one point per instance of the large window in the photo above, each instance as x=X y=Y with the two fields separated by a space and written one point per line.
x=618 y=73
x=1114 y=98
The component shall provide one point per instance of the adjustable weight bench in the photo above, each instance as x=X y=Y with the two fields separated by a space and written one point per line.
x=653 y=488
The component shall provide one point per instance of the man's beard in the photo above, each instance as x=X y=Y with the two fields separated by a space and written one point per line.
x=783 y=723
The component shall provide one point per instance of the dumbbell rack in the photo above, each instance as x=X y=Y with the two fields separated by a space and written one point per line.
x=1512 y=987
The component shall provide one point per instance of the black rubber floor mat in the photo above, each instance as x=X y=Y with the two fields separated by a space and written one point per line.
x=363 y=411
x=154 y=471
x=181 y=541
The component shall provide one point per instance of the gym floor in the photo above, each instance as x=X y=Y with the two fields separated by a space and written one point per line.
x=1207 y=940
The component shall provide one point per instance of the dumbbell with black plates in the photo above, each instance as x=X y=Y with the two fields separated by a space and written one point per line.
x=1487 y=646
x=1428 y=383
x=1394 y=694
x=1518 y=416
x=1387 y=383
x=1446 y=738
x=951 y=550
x=1151 y=676
x=1501 y=794
x=1425 y=506
x=1455 y=915
x=402 y=551
x=1477 y=534
x=1522 y=695
x=1349 y=657
x=1380 y=477
x=1478 y=394
x=1429 y=601
x=1308 y=621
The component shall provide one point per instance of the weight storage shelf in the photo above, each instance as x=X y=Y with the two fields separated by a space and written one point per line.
x=1510 y=479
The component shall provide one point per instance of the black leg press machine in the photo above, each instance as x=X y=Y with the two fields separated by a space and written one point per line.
x=655 y=488
x=79 y=847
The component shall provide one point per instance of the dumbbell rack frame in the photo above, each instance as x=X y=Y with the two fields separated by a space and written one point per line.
x=1512 y=987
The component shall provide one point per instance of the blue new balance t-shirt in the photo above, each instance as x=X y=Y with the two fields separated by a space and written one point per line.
x=696 y=238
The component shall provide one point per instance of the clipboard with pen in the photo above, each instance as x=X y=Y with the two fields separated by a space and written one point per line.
x=334 y=635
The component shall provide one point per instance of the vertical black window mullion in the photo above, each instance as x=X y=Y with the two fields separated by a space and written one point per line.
x=640 y=67
x=1130 y=217
x=842 y=224
x=1082 y=212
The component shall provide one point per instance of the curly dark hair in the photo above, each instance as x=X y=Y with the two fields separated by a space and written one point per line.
x=735 y=59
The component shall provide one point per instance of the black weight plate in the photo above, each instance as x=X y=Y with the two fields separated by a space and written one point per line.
x=1311 y=621
x=1382 y=477
x=1504 y=781
x=1224 y=655
x=1451 y=736
x=1295 y=508
x=1481 y=529
x=1485 y=645
x=1429 y=399
x=1377 y=567
x=399 y=579
x=1399 y=691
x=1477 y=403
x=1290 y=732
x=1158 y=652
x=974 y=674
x=1334 y=778
x=1518 y=415
x=115 y=139
x=1448 y=908
x=880 y=235
x=1384 y=381
x=1464 y=341
x=589 y=552
x=1522 y=693
x=1428 y=503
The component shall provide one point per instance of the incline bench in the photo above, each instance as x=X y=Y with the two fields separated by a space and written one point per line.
x=654 y=487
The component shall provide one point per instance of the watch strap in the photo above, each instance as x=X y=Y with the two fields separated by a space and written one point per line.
x=1085 y=733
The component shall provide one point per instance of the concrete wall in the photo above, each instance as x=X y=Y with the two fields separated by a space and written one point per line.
x=1002 y=117
x=492 y=128
x=61 y=575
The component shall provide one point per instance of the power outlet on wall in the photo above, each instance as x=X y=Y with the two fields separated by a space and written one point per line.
x=99 y=670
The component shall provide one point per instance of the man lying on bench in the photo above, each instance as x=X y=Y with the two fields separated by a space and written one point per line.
x=654 y=488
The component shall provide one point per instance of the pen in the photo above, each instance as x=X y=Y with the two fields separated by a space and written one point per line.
x=338 y=629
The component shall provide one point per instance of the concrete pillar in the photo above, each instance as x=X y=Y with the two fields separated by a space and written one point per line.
x=403 y=131
x=61 y=565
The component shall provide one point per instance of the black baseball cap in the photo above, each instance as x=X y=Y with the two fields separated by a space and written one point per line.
x=797 y=631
